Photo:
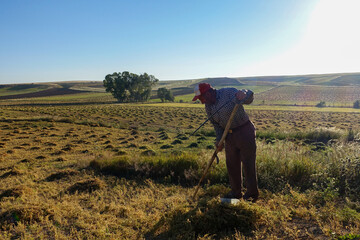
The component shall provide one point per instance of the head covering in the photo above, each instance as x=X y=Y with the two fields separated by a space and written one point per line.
x=200 y=89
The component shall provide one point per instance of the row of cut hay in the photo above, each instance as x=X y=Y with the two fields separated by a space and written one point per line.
x=182 y=168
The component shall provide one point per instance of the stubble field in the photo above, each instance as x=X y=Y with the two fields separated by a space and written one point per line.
x=126 y=171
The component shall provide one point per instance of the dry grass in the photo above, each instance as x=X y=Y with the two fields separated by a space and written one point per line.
x=53 y=185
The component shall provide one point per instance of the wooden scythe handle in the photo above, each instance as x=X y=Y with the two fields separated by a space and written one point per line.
x=217 y=149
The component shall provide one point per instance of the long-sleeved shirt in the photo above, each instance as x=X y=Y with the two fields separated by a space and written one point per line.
x=220 y=119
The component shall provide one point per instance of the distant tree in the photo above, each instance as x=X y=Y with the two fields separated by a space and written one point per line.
x=321 y=104
x=165 y=94
x=129 y=87
x=356 y=104
x=169 y=96
x=161 y=93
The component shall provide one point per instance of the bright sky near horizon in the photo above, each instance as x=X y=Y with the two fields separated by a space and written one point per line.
x=45 y=41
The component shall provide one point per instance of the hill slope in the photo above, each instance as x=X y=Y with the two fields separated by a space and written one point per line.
x=179 y=87
x=336 y=79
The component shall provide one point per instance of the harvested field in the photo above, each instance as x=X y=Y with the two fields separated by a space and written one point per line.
x=128 y=171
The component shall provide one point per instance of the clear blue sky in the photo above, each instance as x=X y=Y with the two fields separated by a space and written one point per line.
x=60 y=40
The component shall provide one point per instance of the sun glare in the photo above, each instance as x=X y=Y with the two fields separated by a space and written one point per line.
x=330 y=43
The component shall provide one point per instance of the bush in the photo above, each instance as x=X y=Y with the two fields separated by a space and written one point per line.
x=356 y=104
x=321 y=104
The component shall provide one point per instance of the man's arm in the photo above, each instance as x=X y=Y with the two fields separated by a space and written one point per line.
x=241 y=94
x=219 y=131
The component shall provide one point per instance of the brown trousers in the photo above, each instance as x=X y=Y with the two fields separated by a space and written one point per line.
x=240 y=147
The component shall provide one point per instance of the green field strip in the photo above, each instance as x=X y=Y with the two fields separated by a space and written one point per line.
x=8 y=92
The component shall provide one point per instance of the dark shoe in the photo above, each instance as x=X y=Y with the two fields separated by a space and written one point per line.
x=230 y=195
x=251 y=198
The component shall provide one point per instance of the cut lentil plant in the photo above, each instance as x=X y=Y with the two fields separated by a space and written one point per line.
x=100 y=172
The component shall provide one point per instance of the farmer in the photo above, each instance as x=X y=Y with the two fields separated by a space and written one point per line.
x=240 y=145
